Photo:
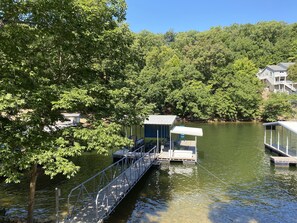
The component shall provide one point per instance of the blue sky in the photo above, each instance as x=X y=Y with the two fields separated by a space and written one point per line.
x=159 y=16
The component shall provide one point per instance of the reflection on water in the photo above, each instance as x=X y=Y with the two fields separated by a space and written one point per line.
x=233 y=182
x=13 y=197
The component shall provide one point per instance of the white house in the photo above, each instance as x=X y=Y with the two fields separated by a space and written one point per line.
x=71 y=119
x=276 y=78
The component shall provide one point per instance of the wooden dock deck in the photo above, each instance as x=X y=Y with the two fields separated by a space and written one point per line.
x=287 y=157
x=280 y=138
x=283 y=160
x=177 y=156
x=185 y=152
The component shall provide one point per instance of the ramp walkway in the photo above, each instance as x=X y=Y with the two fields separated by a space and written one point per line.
x=94 y=199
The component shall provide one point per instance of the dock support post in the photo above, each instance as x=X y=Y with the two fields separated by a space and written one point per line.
x=271 y=136
x=287 y=146
x=170 y=147
x=278 y=140
x=265 y=135
x=196 y=149
x=58 y=194
x=158 y=140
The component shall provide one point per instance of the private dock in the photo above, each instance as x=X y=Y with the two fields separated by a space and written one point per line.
x=170 y=149
x=281 y=138
x=96 y=198
x=283 y=161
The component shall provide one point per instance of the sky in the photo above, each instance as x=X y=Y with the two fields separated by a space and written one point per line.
x=159 y=16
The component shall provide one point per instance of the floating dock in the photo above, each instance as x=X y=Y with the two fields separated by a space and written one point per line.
x=283 y=161
x=186 y=152
x=281 y=138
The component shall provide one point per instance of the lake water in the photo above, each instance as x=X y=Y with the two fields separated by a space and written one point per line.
x=233 y=182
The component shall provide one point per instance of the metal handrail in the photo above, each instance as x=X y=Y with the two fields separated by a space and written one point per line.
x=103 y=179
x=124 y=182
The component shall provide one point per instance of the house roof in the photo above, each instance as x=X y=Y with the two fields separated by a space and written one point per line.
x=160 y=120
x=286 y=65
x=187 y=131
x=276 y=68
x=280 y=66
x=290 y=125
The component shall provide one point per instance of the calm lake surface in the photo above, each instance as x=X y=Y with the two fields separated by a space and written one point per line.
x=233 y=182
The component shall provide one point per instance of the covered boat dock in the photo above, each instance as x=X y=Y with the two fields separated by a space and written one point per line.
x=172 y=142
x=158 y=127
x=182 y=150
x=281 y=138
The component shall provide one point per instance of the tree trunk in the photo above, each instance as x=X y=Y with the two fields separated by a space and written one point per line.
x=33 y=180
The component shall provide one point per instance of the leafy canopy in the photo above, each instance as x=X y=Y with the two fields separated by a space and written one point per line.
x=63 y=56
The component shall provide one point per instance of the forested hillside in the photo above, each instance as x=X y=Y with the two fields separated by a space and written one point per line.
x=212 y=74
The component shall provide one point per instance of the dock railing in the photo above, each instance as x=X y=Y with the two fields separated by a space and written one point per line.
x=101 y=192
x=111 y=195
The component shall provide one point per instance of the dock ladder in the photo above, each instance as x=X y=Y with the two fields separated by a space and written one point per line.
x=94 y=199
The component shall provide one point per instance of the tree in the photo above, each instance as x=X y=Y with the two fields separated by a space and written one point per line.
x=237 y=91
x=292 y=72
x=245 y=89
x=278 y=106
x=193 y=101
x=208 y=57
x=59 y=56
x=169 y=36
x=224 y=106
x=161 y=75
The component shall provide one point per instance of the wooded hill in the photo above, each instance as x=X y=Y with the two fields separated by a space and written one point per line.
x=212 y=74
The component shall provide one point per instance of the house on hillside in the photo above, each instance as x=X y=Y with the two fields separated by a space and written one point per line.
x=276 y=78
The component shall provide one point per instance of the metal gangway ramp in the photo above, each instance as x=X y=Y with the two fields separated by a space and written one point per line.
x=94 y=199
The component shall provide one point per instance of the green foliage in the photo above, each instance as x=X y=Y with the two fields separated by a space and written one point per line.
x=161 y=75
x=63 y=56
x=278 y=106
x=223 y=60
x=192 y=101
x=208 y=57
x=169 y=36
x=245 y=89
x=292 y=72
x=224 y=107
